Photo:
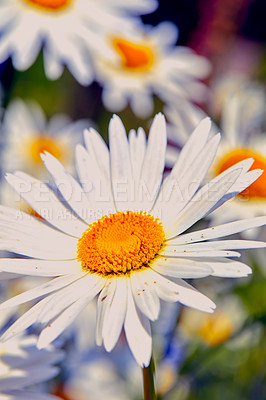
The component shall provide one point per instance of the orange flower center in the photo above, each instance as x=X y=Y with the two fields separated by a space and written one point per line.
x=137 y=57
x=120 y=242
x=256 y=190
x=49 y=5
x=40 y=145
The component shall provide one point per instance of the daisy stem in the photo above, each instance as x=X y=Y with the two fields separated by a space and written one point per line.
x=148 y=381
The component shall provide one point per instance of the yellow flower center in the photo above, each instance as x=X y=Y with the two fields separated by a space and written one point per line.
x=256 y=190
x=40 y=145
x=136 y=57
x=216 y=329
x=119 y=243
x=49 y=5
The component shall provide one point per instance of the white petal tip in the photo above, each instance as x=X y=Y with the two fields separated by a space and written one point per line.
x=43 y=342
x=108 y=348
x=109 y=345
x=145 y=364
x=159 y=119
x=206 y=123
x=115 y=118
x=8 y=176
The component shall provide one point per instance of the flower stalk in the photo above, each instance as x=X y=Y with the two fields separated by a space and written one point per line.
x=148 y=381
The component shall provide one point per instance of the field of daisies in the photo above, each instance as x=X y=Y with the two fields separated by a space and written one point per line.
x=132 y=200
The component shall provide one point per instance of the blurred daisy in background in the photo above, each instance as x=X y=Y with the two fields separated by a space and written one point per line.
x=242 y=118
x=125 y=253
x=147 y=62
x=96 y=378
x=67 y=29
x=240 y=110
x=22 y=365
x=27 y=133
x=213 y=329
x=182 y=118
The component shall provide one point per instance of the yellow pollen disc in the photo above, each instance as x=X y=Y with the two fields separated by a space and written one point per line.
x=137 y=57
x=40 y=145
x=49 y=5
x=256 y=190
x=119 y=243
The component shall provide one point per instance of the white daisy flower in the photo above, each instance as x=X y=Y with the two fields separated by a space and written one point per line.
x=22 y=364
x=242 y=117
x=112 y=244
x=28 y=133
x=241 y=106
x=214 y=329
x=68 y=29
x=144 y=63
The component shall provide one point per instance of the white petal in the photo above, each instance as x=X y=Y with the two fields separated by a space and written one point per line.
x=244 y=180
x=122 y=177
x=137 y=329
x=56 y=327
x=20 y=230
x=214 y=245
x=114 y=318
x=137 y=147
x=181 y=268
x=95 y=177
x=219 y=231
x=26 y=320
x=144 y=294
x=113 y=100
x=27 y=248
x=63 y=298
x=193 y=146
x=247 y=180
x=201 y=203
x=24 y=43
x=203 y=253
x=53 y=66
x=97 y=150
x=228 y=268
x=142 y=103
x=182 y=292
x=39 y=291
x=178 y=190
x=190 y=297
x=103 y=306
x=68 y=187
x=37 y=267
x=153 y=164
x=165 y=289
x=40 y=197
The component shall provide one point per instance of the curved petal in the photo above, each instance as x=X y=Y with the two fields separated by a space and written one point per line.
x=43 y=200
x=115 y=315
x=137 y=329
x=144 y=294
x=103 y=306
